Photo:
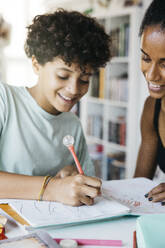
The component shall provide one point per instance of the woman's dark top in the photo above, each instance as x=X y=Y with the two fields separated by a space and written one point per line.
x=161 y=148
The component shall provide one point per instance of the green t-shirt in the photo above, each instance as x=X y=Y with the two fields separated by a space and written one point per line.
x=31 y=138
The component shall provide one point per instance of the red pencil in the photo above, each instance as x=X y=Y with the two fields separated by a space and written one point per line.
x=71 y=149
x=68 y=141
x=134 y=240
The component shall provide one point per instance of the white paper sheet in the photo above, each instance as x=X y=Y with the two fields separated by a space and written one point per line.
x=130 y=192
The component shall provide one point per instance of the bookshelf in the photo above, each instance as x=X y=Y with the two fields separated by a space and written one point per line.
x=110 y=113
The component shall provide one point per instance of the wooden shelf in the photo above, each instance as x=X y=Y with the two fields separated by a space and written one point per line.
x=92 y=139
x=108 y=102
x=120 y=60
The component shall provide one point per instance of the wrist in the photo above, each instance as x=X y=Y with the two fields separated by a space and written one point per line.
x=43 y=187
x=51 y=191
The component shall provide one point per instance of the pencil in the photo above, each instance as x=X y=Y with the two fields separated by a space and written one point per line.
x=79 y=168
x=134 y=240
x=68 y=141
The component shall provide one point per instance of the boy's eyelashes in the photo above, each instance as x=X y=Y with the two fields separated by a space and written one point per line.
x=62 y=77
x=84 y=81
x=80 y=80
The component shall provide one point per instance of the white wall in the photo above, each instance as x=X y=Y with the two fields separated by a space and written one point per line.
x=19 y=14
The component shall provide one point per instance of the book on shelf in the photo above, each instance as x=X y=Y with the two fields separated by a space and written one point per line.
x=126 y=39
x=122 y=52
x=120 y=40
x=116 y=165
x=95 y=126
x=122 y=130
x=132 y=2
x=101 y=82
x=98 y=84
x=115 y=41
x=94 y=85
x=117 y=130
x=104 y=86
x=116 y=173
x=117 y=90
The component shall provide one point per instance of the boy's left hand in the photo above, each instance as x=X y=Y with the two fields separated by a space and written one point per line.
x=69 y=170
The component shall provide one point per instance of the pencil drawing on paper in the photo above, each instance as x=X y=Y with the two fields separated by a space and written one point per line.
x=49 y=213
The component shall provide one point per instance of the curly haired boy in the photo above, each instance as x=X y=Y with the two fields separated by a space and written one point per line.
x=66 y=48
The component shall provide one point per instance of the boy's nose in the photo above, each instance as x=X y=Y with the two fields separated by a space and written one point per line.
x=73 y=87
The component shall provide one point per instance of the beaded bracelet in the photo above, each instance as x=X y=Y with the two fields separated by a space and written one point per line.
x=44 y=184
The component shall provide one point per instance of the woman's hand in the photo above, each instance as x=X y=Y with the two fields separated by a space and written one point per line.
x=157 y=194
x=73 y=190
x=69 y=170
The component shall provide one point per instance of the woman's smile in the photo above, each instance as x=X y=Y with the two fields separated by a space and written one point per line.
x=155 y=87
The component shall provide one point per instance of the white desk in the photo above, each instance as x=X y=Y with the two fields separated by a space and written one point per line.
x=119 y=228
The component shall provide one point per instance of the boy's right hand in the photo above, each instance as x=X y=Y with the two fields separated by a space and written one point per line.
x=73 y=190
x=69 y=170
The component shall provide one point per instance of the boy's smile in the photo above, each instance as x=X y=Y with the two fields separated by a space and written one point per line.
x=59 y=86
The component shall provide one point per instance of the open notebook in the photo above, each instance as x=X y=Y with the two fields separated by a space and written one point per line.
x=119 y=197
x=45 y=213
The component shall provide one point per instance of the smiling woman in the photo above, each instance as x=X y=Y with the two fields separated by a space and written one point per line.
x=153 y=60
x=152 y=149
x=66 y=48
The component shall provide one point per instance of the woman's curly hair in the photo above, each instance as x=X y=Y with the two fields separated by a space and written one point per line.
x=70 y=35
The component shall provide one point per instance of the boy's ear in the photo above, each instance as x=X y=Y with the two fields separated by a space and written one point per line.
x=35 y=65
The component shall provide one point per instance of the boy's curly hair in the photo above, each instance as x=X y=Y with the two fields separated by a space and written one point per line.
x=154 y=15
x=70 y=35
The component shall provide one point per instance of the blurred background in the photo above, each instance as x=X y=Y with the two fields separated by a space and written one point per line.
x=19 y=13
x=110 y=113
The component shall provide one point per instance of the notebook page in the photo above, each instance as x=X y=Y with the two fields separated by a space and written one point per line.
x=130 y=192
x=42 y=213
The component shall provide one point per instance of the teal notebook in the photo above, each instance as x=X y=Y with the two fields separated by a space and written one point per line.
x=150 y=231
